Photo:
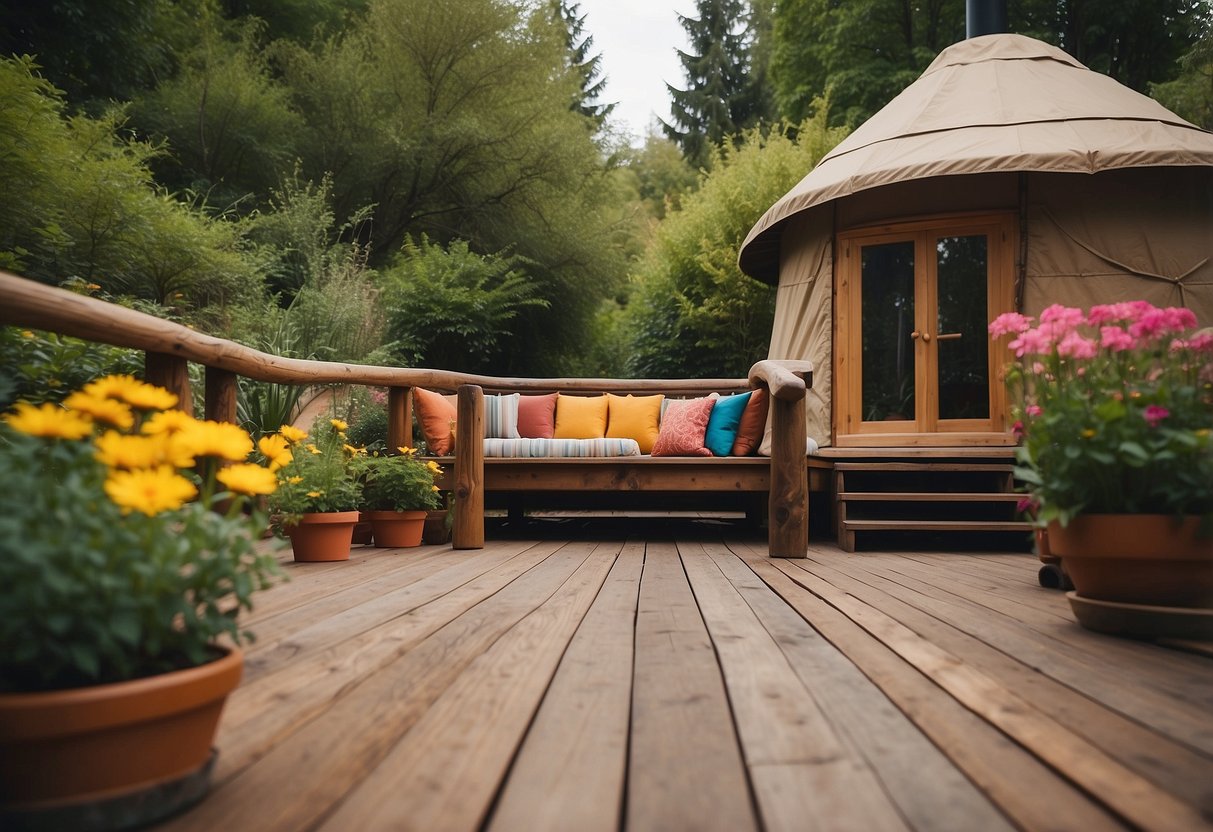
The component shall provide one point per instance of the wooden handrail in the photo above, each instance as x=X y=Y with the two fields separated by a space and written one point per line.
x=169 y=347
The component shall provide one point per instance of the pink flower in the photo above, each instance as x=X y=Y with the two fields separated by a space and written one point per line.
x=1037 y=341
x=1154 y=414
x=1009 y=322
x=1107 y=313
x=1017 y=429
x=1067 y=316
x=1076 y=346
x=1027 y=505
x=1115 y=339
x=1033 y=410
x=1156 y=322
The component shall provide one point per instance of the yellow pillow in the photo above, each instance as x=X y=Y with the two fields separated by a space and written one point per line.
x=581 y=417
x=634 y=417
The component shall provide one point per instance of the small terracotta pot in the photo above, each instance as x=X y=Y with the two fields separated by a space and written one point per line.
x=397 y=529
x=436 y=530
x=363 y=534
x=323 y=536
x=101 y=743
x=1152 y=559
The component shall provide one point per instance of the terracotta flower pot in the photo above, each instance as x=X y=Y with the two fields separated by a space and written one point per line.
x=363 y=534
x=111 y=755
x=1149 y=559
x=323 y=536
x=397 y=529
x=436 y=530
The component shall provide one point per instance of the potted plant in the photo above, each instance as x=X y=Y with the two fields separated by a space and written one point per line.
x=438 y=521
x=1114 y=416
x=399 y=489
x=316 y=503
x=120 y=578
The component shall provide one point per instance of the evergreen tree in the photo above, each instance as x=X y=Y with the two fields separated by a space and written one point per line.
x=588 y=67
x=721 y=97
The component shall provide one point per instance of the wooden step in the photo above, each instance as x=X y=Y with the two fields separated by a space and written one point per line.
x=930 y=496
x=994 y=467
x=938 y=525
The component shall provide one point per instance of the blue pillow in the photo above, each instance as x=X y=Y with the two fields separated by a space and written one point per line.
x=724 y=422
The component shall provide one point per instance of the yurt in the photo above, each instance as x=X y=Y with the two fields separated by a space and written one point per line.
x=1007 y=177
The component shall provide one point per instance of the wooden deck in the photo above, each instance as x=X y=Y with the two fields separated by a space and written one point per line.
x=684 y=681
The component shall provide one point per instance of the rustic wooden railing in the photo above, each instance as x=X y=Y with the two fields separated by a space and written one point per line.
x=169 y=347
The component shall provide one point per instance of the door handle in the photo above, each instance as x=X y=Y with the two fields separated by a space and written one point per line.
x=925 y=336
x=950 y=336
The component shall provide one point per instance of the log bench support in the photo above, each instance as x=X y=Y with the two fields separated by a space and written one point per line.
x=784 y=477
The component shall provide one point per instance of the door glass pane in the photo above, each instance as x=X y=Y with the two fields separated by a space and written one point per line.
x=888 y=319
x=964 y=383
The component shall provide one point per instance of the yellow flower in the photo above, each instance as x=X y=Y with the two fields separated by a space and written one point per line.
x=434 y=467
x=219 y=439
x=292 y=434
x=315 y=494
x=94 y=286
x=49 y=420
x=247 y=478
x=149 y=491
x=144 y=396
x=25 y=333
x=407 y=451
x=352 y=451
x=315 y=451
x=1088 y=433
x=109 y=387
x=295 y=480
x=341 y=426
x=106 y=410
x=117 y=450
x=276 y=450
x=435 y=488
x=167 y=422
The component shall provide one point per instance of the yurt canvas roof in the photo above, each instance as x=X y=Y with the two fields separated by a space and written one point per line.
x=997 y=103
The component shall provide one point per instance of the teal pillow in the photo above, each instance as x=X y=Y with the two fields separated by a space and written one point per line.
x=723 y=424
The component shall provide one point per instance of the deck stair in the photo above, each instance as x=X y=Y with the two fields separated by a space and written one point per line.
x=939 y=495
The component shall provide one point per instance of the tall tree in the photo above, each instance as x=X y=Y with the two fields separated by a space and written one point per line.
x=721 y=98
x=589 y=101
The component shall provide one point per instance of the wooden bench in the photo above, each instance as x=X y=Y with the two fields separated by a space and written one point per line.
x=782 y=476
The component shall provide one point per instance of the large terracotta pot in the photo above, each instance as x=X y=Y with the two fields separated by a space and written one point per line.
x=110 y=756
x=397 y=529
x=1153 y=559
x=323 y=536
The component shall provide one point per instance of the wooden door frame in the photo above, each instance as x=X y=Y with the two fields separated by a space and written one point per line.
x=849 y=431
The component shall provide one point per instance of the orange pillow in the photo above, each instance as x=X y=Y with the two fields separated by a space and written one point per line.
x=435 y=413
x=581 y=417
x=634 y=417
x=753 y=423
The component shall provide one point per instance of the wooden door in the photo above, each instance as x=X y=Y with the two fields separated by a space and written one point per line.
x=913 y=361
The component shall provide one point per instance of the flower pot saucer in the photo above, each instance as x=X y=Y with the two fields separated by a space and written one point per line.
x=1142 y=620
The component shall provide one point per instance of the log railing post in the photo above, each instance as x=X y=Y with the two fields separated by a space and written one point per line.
x=788 y=508
x=400 y=417
x=468 y=531
x=173 y=374
x=222 y=389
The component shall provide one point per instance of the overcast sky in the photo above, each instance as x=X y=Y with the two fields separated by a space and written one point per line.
x=637 y=39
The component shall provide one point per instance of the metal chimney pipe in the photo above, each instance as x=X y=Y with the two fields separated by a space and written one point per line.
x=985 y=17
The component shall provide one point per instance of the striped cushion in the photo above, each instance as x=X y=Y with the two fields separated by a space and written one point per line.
x=501 y=416
x=572 y=448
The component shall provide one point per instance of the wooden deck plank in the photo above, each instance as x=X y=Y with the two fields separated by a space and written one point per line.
x=803 y=775
x=1025 y=790
x=1123 y=790
x=682 y=775
x=444 y=777
x=265 y=710
x=927 y=789
x=1171 y=697
x=571 y=768
x=301 y=780
x=1168 y=764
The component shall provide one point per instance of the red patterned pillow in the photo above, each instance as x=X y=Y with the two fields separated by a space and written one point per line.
x=683 y=426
